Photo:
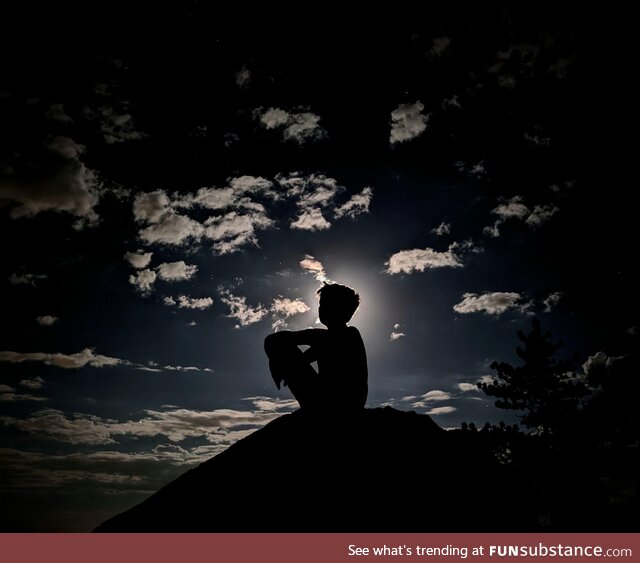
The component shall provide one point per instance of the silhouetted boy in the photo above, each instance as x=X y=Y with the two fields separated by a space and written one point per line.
x=341 y=381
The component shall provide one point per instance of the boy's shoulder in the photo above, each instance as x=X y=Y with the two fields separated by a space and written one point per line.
x=353 y=331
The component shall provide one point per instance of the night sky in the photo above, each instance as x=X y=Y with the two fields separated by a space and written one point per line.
x=174 y=188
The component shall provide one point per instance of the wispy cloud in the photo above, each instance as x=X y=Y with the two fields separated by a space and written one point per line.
x=441 y=410
x=186 y=302
x=475 y=170
x=26 y=279
x=315 y=267
x=240 y=310
x=9 y=395
x=421 y=259
x=357 y=205
x=515 y=209
x=243 y=77
x=86 y=357
x=552 y=300
x=283 y=308
x=451 y=103
x=442 y=229
x=396 y=333
x=494 y=303
x=68 y=186
x=298 y=126
x=174 y=424
x=115 y=123
x=34 y=383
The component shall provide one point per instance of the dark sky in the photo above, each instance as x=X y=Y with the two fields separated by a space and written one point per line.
x=175 y=186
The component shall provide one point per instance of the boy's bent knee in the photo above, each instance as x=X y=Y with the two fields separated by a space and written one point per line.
x=270 y=344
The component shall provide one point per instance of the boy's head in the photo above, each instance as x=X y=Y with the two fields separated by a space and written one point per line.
x=338 y=303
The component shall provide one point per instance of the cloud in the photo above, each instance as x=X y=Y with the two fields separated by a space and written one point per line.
x=184 y=368
x=451 y=103
x=315 y=196
x=559 y=68
x=515 y=64
x=172 y=229
x=143 y=280
x=185 y=302
x=233 y=230
x=251 y=185
x=552 y=300
x=274 y=117
x=310 y=220
x=175 y=271
x=67 y=186
x=138 y=259
x=466 y=387
x=313 y=190
x=150 y=207
x=116 y=124
x=537 y=140
x=282 y=308
x=8 y=395
x=541 y=214
x=494 y=303
x=286 y=307
x=599 y=362
x=243 y=208
x=436 y=395
x=477 y=170
x=407 y=122
x=396 y=335
x=420 y=259
x=359 y=203
x=57 y=113
x=438 y=47
x=238 y=309
x=86 y=357
x=515 y=209
x=26 y=279
x=441 y=410
x=220 y=426
x=46 y=320
x=243 y=77
x=315 y=267
x=300 y=127
x=425 y=402
x=442 y=229
x=34 y=383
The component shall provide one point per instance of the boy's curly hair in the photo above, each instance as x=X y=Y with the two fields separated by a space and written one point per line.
x=340 y=298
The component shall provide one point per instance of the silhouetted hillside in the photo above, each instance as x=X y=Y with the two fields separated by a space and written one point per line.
x=383 y=470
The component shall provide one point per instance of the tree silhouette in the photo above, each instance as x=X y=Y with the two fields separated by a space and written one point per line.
x=543 y=389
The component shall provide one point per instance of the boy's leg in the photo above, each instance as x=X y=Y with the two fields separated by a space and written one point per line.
x=287 y=364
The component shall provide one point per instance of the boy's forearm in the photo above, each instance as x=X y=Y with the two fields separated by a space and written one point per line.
x=298 y=337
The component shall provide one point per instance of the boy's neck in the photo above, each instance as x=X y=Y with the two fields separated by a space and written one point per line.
x=335 y=328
